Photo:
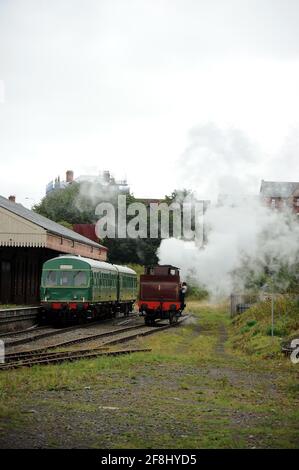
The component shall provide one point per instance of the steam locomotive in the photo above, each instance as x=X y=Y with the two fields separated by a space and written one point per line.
x=159 y=294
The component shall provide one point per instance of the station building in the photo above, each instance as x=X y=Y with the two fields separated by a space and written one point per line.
x=27 y=240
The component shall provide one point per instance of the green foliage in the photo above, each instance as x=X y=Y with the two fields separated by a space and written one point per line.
x=75 y=205
x=257 y=274
x=251 y=331
x=251 y=323
x=180 y=195
x=66 y=205
x=65 y=224
x=245 y=329
x=196 y=292
x=128 y=250
x=278 y=330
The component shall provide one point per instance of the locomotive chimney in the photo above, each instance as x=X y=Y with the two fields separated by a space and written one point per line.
x=12 y=198
x=69 y=176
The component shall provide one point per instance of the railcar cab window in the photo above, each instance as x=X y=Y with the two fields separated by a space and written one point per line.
x=50 y=279
x=66 y=278
x=80 y=279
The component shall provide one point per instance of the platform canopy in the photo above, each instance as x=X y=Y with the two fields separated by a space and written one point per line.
x=27 y=240
x=21 y=227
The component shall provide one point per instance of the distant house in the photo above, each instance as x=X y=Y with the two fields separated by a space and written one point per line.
x=147 y=202
x=27 y=240
x=104 y=181
x=280 y=194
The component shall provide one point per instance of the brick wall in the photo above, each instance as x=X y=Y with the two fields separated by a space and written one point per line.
x=64 y=245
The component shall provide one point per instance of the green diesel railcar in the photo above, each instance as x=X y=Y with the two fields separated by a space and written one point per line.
x=77 y=289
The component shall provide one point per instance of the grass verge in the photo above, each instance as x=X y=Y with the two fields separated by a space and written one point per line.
x=191 y=391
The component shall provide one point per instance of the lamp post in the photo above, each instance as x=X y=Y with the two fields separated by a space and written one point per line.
x=273 y=268
x=272 y=312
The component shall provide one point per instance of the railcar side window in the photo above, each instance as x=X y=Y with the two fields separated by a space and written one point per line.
x=80 y=279
x=66 y=279
x=51 y=279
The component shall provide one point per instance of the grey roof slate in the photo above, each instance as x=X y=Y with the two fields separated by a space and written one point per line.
x=45 y=223
x=278 y=188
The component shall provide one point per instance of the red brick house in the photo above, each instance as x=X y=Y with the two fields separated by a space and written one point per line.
x=280 y=194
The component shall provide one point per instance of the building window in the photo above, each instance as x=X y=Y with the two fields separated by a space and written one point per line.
x=273 y=203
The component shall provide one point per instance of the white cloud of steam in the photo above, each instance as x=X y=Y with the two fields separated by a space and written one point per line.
x=248 y=233
x=96 y=189
x=223 y=165
x=219 y=161
x=93 y=193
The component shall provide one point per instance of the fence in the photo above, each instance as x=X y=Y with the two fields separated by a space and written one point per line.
x=240 y=302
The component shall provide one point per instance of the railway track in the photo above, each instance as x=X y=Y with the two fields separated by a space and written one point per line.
x=18 y=318
x=43 y=356
x=58 y=358
x=32 y=335
x=41 y=333
x=36 y=333
x=13 y=333
x=84 y=339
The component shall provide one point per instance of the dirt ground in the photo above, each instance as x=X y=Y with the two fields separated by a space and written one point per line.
x=190 y=391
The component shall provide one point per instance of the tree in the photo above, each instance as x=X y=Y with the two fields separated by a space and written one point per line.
x=66 y=205
x=76 y=204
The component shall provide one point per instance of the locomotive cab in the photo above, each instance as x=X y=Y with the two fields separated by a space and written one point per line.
x=159 y=295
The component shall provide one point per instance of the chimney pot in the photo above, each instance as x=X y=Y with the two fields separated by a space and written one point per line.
x=12 y=198
x=69 y=176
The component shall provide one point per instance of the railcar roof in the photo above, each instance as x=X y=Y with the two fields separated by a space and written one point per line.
x=91 y=262
x=124 y=269
x=95 y=264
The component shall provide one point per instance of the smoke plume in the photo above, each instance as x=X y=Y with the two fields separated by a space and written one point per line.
x=244 y=237
x=241 y=239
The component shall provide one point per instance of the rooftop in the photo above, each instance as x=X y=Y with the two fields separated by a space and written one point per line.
x=282 y=189
x=45 y=223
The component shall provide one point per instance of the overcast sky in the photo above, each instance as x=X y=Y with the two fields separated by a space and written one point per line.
x=171 y=93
